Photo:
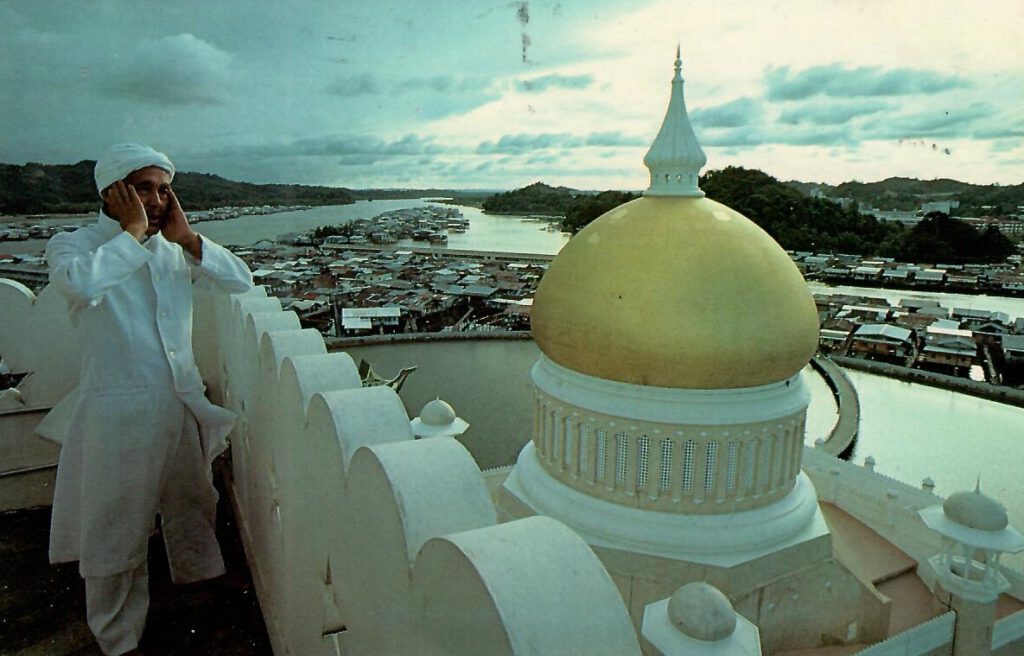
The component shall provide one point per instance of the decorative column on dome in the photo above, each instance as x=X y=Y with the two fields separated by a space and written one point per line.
x=675 y=158
x=976 y=532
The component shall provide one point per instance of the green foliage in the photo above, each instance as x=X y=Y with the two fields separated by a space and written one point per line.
x=342 y=229
x=585 y=209
x=907 y=194
x=70 y=188
x=537 y=198
x=797 y=222
x=940 y=239
x=42 y=188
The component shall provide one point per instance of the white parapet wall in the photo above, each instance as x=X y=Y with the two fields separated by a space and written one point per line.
x=932 y=638
x=1008 y=635
x=363 y=540
x=887 y=506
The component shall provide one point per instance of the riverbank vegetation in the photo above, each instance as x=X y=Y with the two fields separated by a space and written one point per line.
x=537 y=198
x=797 y=221
x=907 y=194
x=70 y=189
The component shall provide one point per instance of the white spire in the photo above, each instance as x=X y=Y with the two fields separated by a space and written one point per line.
x=675 y=158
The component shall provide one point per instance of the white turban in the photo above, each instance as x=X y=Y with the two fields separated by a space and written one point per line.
x=120 y=160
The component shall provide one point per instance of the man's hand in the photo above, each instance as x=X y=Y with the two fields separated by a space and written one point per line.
x=176 y=229
x=124 y=205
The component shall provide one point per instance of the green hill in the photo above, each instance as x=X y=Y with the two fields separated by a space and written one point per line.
x=69 y=188
x=908 y=194
x=797 y=221
x=537 y=198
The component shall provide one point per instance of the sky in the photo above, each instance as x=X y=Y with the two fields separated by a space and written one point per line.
x=475 y=94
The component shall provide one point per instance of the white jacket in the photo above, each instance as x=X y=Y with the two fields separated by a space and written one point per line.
x=131 y=304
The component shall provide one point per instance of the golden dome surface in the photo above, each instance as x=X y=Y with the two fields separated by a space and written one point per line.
x=677 y=292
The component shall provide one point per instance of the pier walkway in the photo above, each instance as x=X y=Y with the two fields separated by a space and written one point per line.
x=847 y=403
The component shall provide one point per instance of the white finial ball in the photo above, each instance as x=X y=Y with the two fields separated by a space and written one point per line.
x=701 y=611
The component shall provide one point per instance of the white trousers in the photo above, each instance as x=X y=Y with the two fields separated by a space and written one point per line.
x=115 y=608
x=116 y=605
x=188 y=511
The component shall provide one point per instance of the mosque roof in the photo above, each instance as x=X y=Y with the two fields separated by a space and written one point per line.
x=676 y=290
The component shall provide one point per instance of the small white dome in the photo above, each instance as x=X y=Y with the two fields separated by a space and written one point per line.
x=701 y=611
x=976 y=510
x=437 y=418
x=437 y=413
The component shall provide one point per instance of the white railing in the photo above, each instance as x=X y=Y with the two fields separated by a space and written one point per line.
x=927 y=638
x=1008 y=635
x=887 y=506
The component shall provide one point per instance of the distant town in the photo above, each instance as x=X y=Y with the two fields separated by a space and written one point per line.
x=353 y=280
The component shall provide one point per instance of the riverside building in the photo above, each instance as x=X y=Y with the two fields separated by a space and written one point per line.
x=633 y=481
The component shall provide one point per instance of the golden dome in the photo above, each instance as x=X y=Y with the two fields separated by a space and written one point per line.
x=676 y=292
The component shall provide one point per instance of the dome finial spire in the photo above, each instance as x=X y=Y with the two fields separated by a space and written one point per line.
x=675 y=158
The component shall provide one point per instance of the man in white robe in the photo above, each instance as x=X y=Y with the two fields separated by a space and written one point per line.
x=138 y=433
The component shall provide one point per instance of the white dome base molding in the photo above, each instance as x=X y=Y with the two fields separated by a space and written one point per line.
x=691 y=452
x=721 y=540
x=775 y=563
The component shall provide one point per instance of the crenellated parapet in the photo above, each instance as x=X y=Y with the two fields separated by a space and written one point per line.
x=360 y=539
x=363 y=540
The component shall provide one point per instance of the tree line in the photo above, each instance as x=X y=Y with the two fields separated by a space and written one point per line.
x=71 y=189
x=908 y=194
x=797 y=221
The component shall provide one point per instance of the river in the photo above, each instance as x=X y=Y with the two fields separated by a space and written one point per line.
x=486 y=232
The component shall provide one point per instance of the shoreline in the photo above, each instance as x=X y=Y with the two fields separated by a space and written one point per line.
x=966 y=290
x=988 y=391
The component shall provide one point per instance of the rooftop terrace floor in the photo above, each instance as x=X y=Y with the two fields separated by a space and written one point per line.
x=42 y=606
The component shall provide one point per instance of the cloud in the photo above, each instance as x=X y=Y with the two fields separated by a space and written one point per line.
x=822 y=112
x=538 y=84
x=521 y=143
x=1000 y=131
x=733 y=114
x=447 y=95
x=345 y=148
x=172 y=70
x=542 y=159
x=614 y=139
x=425 y=97
x=841 y=82
x=445 y=84
x=793 y=135
x=954 y=122
x=363 y=84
